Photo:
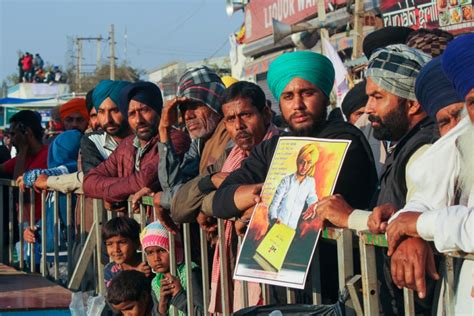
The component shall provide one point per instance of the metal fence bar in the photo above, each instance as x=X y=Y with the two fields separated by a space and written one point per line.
x=11 y=222
x=189 y=268
x=32 y=226
x=44 y=268
x=173 y=267
x=223 y=268
x=84 y=258
x=345 y=263
x=142 y=226
x=130 y=209
x=21 y=254
x=69 y=230
x=290 y=296
x=56 y=234
x=205 y=271
x=408 y=302
x=245 y=287
x=265 y=293
x=369 y=278
x=449 y=285
x=98 y=216
x=2 y=223
x=82 y=219
x=316 y=278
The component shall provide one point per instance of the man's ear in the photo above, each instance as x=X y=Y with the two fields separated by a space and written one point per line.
x=267 y=115
x=414 y=108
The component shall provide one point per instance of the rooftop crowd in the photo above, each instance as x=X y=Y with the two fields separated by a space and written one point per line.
x=205 y=154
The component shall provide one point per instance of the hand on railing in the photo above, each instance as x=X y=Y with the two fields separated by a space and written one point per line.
x=29 y=234
x=163 y=215
x=403 y=225
x=137 y=198
x=207 y=223
x=334 y=209
x=379 y=217
x=169 y=287
x=410 y=263
x=20 y=181
x=144 y=268
x=41 y=183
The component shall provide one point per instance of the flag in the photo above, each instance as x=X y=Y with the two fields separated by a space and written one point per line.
x=340 y=83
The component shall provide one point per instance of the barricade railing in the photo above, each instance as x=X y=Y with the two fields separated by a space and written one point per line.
x=92 y=249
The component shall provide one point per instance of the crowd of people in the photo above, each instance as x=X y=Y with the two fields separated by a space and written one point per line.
x=205 y=154
x=32 y=69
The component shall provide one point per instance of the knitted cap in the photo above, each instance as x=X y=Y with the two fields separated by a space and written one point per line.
x=155 y=234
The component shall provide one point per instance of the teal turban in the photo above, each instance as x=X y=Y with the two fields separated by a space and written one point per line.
x=310 y=66
x=107 y=89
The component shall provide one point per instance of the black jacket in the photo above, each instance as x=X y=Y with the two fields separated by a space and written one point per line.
x=356 y=183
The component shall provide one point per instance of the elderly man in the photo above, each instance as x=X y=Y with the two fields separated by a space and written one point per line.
x=444 y=212
x=247 y=119
x=198 y=99
x=302 y=82
x=133 y=165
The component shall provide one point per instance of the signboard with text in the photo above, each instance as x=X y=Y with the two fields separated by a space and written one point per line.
x=452 y=15
x=259 y=15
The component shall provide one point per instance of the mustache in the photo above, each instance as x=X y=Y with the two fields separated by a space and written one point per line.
x=110 y=125
x=375 y=119
x=242 y=134
x=298 y=113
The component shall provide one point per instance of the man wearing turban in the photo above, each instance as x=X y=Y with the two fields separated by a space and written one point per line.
x=134 y=163
x=396 y=117
x=442 y=209
x=301 y=82
x=74 y=114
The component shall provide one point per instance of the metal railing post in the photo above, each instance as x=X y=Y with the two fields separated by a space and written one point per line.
x=2 y=231
x=345 y=263
x=449 y=285
x=44 y=267
x=223 y=268
x=189 y=268
x=369 y=277
x=408 y=302
x=69 y=231
x=205 y=271
x=82 y=219
x=32 y=226
x=173 y=266
x=98 y=215
x=11 y=223
x=56 y=234
x=245 y=288
x=142 y=226
x=21 y=254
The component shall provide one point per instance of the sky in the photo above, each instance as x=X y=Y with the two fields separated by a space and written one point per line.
x=157 y=31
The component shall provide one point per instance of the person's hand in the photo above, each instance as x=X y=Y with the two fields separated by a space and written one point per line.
x=171 y=284
x=163 y=215
x=20 y=181
x=115 y=207
x=243 y=222
x=207 y=223
x=41 y=183
x=137 y=198
x=218 y=178
x=335 y=210
x=29 y=234
x=403 y=225
x=144 y=268
x=377 y=221
x=247 y=195
x=410 y=262
x=169 y=117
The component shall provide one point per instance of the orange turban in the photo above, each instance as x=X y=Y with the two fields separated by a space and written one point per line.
x=76 y=105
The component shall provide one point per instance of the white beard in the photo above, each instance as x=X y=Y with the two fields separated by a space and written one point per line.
x=465 y=144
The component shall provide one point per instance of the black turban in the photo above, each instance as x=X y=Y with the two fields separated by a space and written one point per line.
x=385 y=36
x=144 y=92
x=355 y=99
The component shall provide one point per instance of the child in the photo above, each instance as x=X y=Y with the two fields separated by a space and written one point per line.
x=122 y=240
x=166 y=288
x=129 y=294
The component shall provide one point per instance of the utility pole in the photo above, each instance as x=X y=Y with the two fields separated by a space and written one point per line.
x=112 y=52
x=79 y=63
x=358 y=28
x=79 y=41
x=99 y=51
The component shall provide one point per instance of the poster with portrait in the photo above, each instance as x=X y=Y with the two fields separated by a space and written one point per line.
x=284 y=229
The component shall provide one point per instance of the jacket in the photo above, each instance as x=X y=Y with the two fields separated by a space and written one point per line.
x=115 y=179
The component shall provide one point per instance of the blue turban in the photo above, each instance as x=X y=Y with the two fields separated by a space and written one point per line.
x=64 y=150
x=310 y=66
x=144 y=92
x=107 y=89
x=458 y=64
x=433 y=90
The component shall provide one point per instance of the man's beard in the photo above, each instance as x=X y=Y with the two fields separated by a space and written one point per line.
x=148 y=135
x=394 y=126
x=308 y=130
x=465 y=145
x=119 y=132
